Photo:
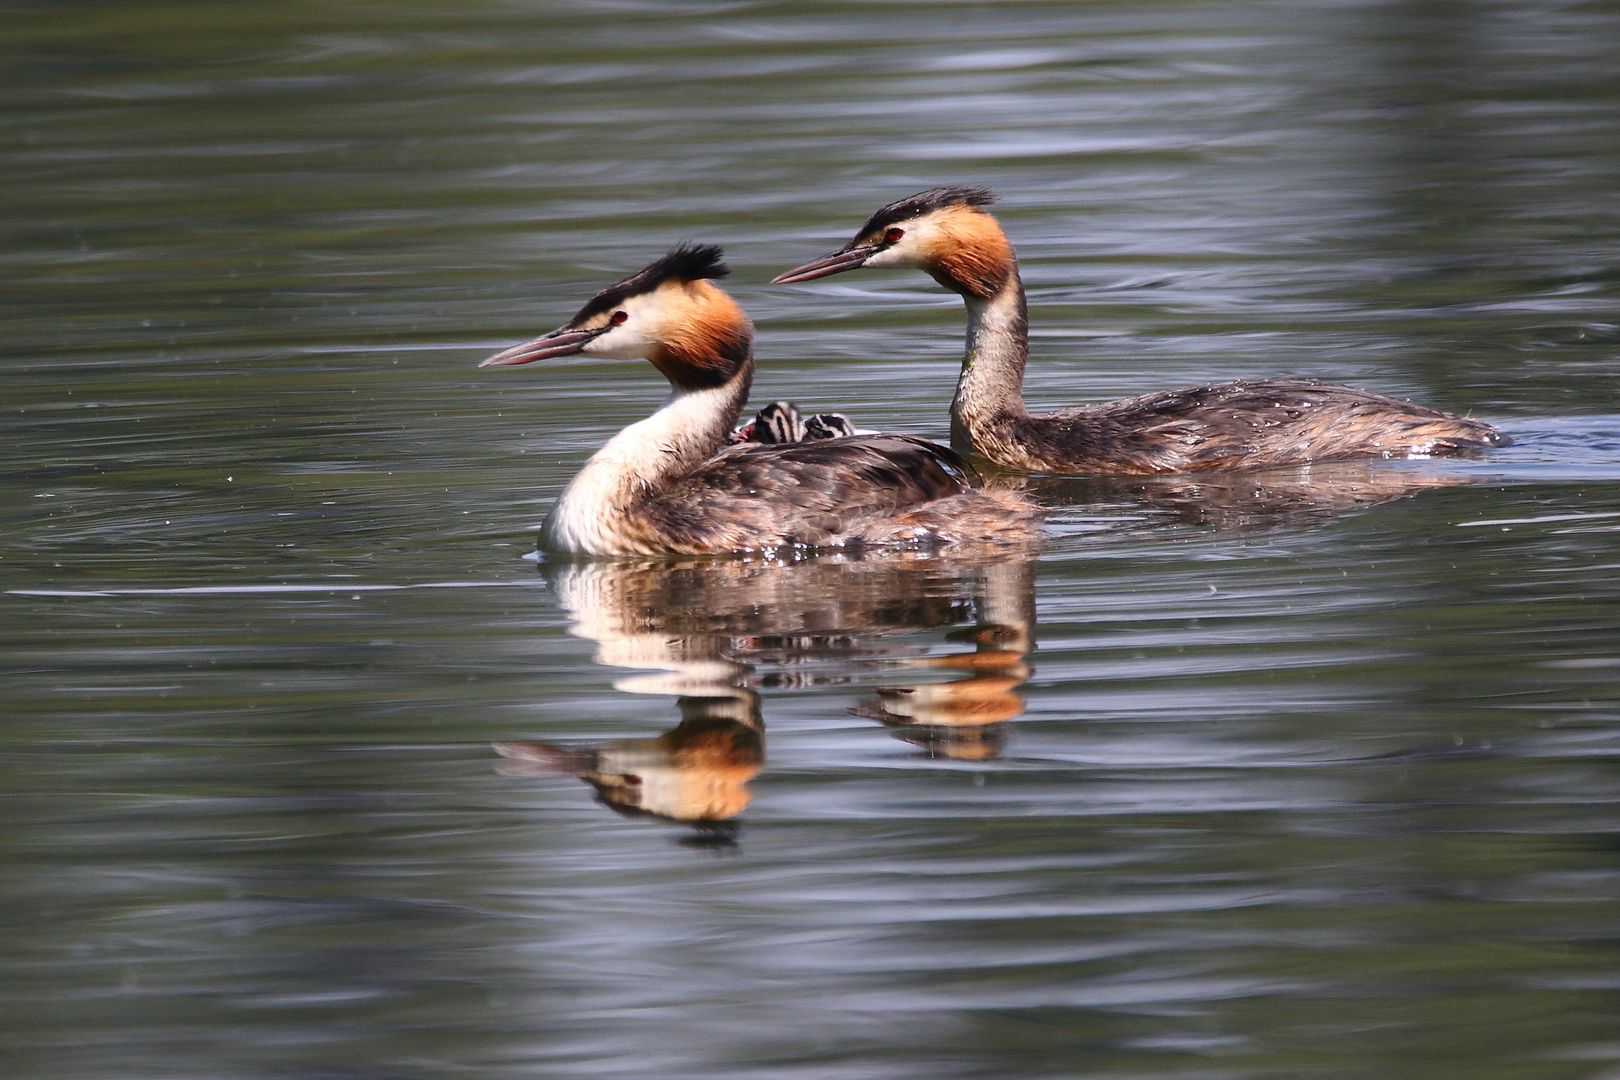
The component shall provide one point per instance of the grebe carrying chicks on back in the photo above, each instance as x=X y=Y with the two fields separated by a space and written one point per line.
x=1256 y=424
x=670 y=484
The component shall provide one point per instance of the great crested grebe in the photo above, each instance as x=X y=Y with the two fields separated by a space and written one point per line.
x=670 y=484
x=1238 y=425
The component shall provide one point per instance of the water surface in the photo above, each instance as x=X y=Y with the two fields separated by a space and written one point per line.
x=1309 y=774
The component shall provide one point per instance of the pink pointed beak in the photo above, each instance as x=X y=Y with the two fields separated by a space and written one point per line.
x=848 y=257
x=560 y=342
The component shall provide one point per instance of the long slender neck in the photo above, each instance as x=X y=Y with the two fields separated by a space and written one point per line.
x=689 y=428
x=989 y=394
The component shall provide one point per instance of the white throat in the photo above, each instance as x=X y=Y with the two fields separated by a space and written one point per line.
x=990 y=390
x=686 y=430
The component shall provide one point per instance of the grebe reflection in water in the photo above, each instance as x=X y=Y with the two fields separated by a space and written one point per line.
x=697 y=772
x=714 y=632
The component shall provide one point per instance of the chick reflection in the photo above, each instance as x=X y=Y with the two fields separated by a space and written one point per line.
x=698 y=772
x=709 y=631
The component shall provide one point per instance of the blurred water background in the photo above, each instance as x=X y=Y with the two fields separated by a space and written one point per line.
x=1310 y=775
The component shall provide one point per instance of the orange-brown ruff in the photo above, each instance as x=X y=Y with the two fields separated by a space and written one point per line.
x=670 y=485
x=1242 y=425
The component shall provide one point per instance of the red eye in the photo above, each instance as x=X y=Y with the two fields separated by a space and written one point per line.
x=893 y=236
x=619 y=317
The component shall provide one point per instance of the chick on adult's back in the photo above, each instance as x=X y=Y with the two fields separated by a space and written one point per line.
x=1239 y=425
x=670 y=484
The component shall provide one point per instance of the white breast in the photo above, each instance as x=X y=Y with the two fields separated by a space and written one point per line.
x=635 y=463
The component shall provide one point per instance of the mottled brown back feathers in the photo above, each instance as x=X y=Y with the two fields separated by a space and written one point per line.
x=1242 y=425
x=865 y=489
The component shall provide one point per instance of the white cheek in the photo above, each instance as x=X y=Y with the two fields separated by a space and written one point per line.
x=621 y=343
x=634 y=338
x=901 y=255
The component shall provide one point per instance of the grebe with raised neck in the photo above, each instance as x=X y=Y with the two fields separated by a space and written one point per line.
x=1253 y=424
x=669 y=484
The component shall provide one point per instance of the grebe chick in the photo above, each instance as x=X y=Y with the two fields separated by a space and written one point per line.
x=669 y=484
x=778 y=422
x=1240 y=425
x=781 y=422
x=829 y=425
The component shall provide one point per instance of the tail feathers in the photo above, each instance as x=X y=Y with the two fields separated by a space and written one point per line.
x=972 y=517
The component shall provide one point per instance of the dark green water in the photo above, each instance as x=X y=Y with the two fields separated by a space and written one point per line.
x=1297 y=776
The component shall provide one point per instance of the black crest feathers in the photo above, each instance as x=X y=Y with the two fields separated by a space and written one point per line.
x=684 y=262
x=926 y=202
